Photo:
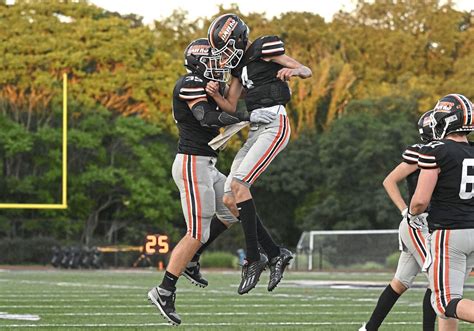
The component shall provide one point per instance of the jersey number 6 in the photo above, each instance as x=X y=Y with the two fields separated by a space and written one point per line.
x=467 y=164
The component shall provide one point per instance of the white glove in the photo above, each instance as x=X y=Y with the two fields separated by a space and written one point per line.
x=404 y=212
x=262 y=116
x=416 y=221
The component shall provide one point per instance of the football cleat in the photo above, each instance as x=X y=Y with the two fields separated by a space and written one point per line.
x=193 y=274
x=277 y=267
x=362 y=328
x=251 y=274
x=164 y=301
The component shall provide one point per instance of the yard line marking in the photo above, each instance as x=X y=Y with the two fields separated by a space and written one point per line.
x=231 y=313
x=20 y=317
x=198 y=324
x=184 y=305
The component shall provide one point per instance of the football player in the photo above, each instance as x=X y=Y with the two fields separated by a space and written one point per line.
x=446 y=182
x=200 y=184
x=412 y=240
x=261 y=69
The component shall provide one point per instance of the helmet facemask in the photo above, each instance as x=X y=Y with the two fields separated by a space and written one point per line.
x=213 y=69
x=229 y=55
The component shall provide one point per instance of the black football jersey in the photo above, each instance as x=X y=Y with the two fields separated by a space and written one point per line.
x=452 y=203
x=193 y=137
x=258 y=77
x=410 y=156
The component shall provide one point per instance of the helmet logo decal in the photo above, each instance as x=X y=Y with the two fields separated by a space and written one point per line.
x=227 y=29
x=444 y=106
x=198 y=50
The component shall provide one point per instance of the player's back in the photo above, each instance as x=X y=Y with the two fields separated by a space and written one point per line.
x=452 y=202
x=193 y=137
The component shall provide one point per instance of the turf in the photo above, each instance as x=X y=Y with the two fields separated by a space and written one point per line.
x=116 y=300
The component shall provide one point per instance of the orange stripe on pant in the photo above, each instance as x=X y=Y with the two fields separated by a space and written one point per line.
x=436 y=272
x=186 y=189
x=266 y=152
x=287 y=122
x=415 y=243
x=198 y=199
x=447 y=293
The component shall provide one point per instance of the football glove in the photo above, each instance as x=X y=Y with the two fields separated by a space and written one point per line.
x=416 y=221
x=262 y=116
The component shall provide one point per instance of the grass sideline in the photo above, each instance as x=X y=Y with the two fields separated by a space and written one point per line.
x=116 y=300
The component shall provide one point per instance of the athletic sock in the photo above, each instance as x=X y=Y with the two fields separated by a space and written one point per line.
x=266 y=241
x=429 y=315
x=216 y=228
x=386 y=301
x=249 y=225
x=169 y=282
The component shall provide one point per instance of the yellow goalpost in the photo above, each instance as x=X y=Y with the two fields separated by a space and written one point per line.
x=63 y=204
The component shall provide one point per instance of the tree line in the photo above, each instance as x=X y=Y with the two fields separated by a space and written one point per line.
x=375 y=70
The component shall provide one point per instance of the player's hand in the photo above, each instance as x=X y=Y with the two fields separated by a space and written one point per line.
x=262 y=116
x=285 y=74
x=416 y=221
x=212 y=88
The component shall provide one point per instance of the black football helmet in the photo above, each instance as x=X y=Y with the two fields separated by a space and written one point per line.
x=452 y=113
x=198 y=59
x=424 y=128
x=228 y=36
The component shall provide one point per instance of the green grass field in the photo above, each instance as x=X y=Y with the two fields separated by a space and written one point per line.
x=116 y=300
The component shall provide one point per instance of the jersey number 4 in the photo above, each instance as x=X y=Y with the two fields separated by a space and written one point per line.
x=464 y=193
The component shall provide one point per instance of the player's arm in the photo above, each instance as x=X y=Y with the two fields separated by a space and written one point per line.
x=429 y=161
x=424 y=190
x=390 y=183
x=228 y=103
x=291 y=67
x=208 y=116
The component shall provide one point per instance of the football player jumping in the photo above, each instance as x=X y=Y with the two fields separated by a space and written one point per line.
x=200 y=184
x=446 y=183
x=260 y=69
x=412 y=240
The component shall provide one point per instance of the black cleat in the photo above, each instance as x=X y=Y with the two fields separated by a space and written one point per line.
x=277 y=267
x=251 y=274
x=164 y=301
x=193 y=274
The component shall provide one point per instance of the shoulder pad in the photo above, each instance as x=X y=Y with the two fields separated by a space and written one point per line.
x=192 y=87
x=266 y=46
x=411 y=154
x=431 y=154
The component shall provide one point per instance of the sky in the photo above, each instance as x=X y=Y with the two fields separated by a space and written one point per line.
x=157 y=9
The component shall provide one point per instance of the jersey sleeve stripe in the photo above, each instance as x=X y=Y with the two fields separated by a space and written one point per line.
x=191 y=89
x=278 y=42
x=412 y=160
x=409 y=152
x=424 y=165
x=276 y=50
x=191 y=97
x=428 y=157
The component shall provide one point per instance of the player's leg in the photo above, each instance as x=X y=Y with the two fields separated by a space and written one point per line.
x=406 y=271
x=219 y=223
x=447 y=273
x=412 y=256
x=269 y=140
x=191 y=175
x=463 y=309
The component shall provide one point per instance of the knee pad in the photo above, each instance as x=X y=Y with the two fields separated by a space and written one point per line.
x=451 y=308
